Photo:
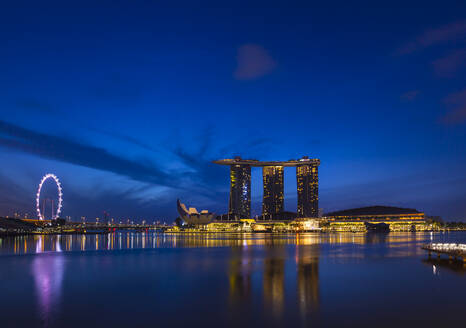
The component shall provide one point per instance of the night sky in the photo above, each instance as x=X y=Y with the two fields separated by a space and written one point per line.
x=128 y=102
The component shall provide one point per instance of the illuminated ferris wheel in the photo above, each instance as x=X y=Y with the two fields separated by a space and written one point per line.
x=60 y=200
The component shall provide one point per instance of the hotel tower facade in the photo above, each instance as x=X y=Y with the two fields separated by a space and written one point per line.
x=307 y=178
x=240 y=191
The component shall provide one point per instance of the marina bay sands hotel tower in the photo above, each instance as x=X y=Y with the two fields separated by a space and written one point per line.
x=307 y=178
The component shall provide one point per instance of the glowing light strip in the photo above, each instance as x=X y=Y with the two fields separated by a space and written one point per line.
x=60 y=194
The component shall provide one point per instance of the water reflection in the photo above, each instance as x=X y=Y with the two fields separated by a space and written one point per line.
x=274 y=280
x=394 y=243
x=48 y=274
x=57 y=244
x=39 y=245
x=293 y=278
x=240 y=272
x=439 y=265
x=307 y=262
x=272 y=269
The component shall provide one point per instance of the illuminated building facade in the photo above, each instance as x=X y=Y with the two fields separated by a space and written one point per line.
x=377 y=214
x=272 y=203
x=240 y=191
x=382 y=218
x=307 y=181
x=273 y=198
x=192 y=216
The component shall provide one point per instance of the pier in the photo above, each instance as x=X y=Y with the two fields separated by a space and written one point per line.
x=454 y=251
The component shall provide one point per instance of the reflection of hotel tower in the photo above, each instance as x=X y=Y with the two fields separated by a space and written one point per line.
x=274 y=284
x=308 y=281
x=273 y=198
x=307 y=270
x=273 y=277
x=240 y=275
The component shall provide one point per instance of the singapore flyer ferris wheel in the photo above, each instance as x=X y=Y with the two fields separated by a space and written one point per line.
x=56 y=214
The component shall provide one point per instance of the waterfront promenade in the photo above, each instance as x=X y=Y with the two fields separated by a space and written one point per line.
x=453 y=250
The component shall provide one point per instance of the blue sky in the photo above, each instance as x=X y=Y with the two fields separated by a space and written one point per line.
x=128 y=102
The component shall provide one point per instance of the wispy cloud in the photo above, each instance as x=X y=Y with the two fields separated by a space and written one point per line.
x=456 y=102
x=64 y=150
x=211 y=180
x=449 y=65
x=128 y=139
x=450 y=32
x=196 y=180
x=253 y=62
x=410 y=95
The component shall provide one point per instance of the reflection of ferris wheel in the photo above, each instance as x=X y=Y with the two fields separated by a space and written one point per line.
x=60 y=194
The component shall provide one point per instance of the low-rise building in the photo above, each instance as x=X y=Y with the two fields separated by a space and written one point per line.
x=358 y=219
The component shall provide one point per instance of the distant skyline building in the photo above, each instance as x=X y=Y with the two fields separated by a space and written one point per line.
x=307 y=178
x=240 y=191
x=307 y=181
x=272 y=201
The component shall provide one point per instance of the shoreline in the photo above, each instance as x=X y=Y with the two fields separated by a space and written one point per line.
x=18 y=234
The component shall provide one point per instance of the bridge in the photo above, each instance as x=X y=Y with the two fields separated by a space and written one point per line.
x=116 y=227
x=99 y=228
x=454 y=251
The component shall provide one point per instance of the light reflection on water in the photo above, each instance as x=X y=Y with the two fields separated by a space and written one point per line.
x=249 y=279
x=48 y=276
x=143 y=240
